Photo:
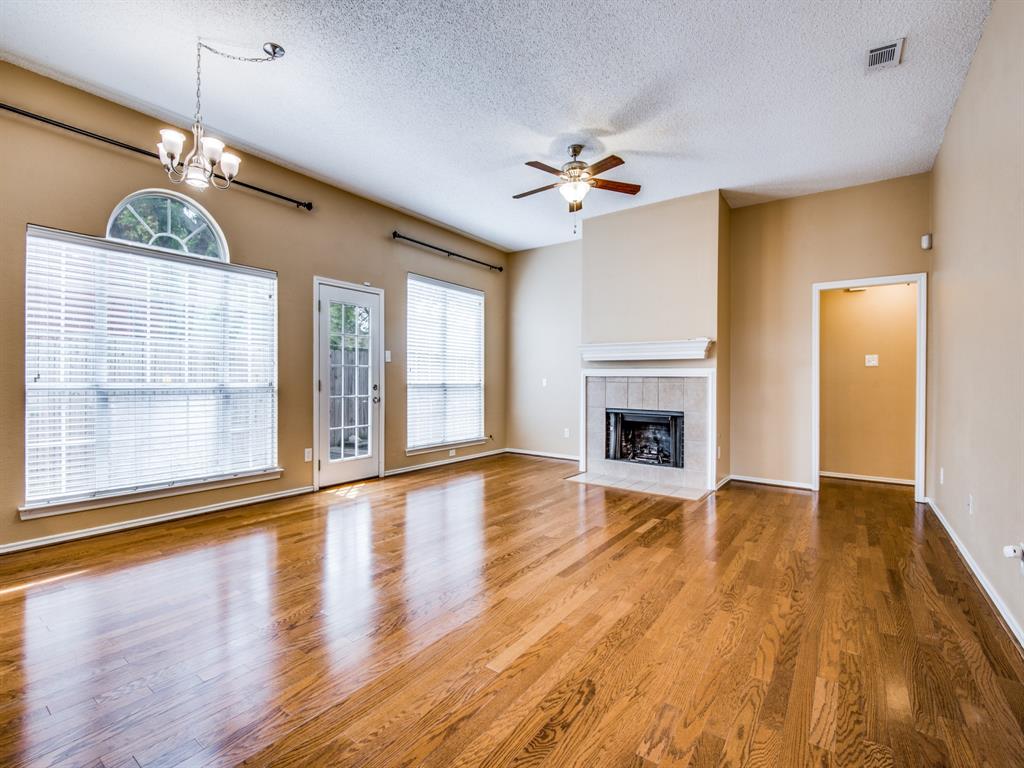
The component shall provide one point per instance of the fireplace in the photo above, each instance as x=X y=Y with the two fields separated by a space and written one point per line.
x=645 y=437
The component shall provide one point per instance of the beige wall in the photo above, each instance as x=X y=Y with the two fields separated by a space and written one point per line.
x=778 y=250
x=53 y=178
x=976 y=352
x=723 y=342
x=544 y=339
x=650 y=273
x=868 y=413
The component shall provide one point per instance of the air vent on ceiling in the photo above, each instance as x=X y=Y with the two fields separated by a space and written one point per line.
x=885 y=56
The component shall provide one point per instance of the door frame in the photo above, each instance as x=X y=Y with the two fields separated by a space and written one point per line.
x=920 y=279
x=379 y=292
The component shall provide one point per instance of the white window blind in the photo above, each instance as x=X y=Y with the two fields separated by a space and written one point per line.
x=143 y=370
x=445 y=363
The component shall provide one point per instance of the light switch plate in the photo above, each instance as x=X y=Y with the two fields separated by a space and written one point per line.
x=870 y=361
x=308 y=454
x=387 y=355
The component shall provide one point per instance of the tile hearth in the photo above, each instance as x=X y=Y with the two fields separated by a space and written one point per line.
x=639 y=486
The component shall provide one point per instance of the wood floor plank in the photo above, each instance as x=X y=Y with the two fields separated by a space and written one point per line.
x=494 y=614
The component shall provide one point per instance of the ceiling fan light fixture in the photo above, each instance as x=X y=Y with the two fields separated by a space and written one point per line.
x=574 y=191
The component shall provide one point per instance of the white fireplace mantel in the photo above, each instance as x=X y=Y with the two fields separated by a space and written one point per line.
x=683 y=349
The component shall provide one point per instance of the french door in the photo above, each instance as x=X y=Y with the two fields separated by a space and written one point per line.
x=349 y=386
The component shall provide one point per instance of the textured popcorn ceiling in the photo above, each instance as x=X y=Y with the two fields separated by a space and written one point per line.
x=434 y=107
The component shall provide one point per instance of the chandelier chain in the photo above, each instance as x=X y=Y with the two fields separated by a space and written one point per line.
x=200 y=45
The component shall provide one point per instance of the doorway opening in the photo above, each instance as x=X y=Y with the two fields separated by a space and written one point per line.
x=868 y=390
x=348 y=382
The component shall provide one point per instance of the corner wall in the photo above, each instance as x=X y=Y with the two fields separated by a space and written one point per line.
x=976 y=333
x=544 y=290
x=779 y=249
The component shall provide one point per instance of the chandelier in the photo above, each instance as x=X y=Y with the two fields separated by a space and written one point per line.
x=206 y=156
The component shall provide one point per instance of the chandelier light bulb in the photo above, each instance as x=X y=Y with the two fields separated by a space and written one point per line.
x=164 y=159
x=173 y=142
x=229 y=165
x=212 y=149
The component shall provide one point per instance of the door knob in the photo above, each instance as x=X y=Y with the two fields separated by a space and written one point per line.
x=376 y=399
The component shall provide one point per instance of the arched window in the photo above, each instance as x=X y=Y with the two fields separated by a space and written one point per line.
x=170 y=221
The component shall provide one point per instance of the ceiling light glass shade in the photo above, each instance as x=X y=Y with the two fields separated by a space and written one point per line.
x=574 y=191
x=197 y=176
x=229 y=165
x=173 y=142
x=212 y=149
x=165 y=161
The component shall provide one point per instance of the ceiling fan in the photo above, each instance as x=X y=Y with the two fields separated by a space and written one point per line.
x=577 y=178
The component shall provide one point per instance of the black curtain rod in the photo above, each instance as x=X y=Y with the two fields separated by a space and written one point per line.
x=451 y=254
x=107 y=140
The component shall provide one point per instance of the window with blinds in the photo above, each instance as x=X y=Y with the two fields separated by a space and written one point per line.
x=445 y=363
x=143 y=369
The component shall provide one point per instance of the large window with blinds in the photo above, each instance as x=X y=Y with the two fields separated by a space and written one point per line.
x=445 y=364
x=144 y=369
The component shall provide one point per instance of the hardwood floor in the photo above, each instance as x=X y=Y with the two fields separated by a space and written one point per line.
x=492 y=614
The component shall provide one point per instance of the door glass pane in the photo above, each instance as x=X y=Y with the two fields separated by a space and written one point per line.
x=350 y=380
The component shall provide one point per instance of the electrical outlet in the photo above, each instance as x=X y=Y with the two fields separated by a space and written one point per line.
x=565 y=432
x=451 y=452
x=308 y=454
x=870 y=361
x=970 y=504
x=942 y=475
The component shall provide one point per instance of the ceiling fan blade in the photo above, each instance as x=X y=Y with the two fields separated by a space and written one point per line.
x=542 y=167
x=616 y=186
x=534 y=191
x=612 y=161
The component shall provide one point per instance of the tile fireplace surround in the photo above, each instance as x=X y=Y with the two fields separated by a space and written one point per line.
x=679 y=392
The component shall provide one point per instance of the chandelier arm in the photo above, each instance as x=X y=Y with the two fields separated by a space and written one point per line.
x=213 y=181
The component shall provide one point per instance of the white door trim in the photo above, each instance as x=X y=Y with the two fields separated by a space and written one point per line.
x=712 y=406
x=921 y=280
x=331 y=282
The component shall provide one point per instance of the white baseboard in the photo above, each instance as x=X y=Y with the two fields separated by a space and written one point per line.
x=98 y=530
x=868 y=478
x=768 y=481
x=442 y=462
x=997 y=600
x=722 y=482
x=543 y=454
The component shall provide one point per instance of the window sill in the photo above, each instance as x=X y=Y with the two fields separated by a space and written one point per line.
x=443 y=446
x=34 y=511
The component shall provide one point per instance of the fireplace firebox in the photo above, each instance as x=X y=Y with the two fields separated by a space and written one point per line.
x=645 y=437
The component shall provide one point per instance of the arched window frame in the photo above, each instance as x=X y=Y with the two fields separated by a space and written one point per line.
x=208 y=220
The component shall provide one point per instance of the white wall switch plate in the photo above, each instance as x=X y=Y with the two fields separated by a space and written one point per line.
x=543 y=382
x=870 y=361
x=387 y=355
x=942 y=475
x=308 y=454
x=970 y=504
x=565 y=432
